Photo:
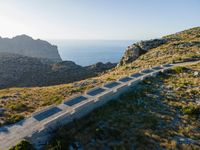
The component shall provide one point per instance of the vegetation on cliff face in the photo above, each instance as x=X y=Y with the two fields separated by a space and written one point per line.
x=160 y=113
x=182 y=46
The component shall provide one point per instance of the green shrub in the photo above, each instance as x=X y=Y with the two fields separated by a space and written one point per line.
x=178 y=69
x=193 y=56
x=13 y=119
x=198 y=36
x=191 y=110
x=18 y=107
x=109 y=79
x=23 y=145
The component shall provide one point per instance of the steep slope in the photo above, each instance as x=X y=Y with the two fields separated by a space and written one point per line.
x=165 y=53
x=25 y=45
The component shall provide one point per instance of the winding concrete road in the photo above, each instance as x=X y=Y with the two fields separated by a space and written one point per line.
x=12 y=134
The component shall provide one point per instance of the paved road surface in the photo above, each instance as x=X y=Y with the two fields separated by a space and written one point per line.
x=10 y=135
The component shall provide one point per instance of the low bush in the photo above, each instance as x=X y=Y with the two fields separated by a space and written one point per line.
x=109 y=79
x=191 y=110
x=178 y=69
x=23 y=145
x=13 y=119
x=18 y=107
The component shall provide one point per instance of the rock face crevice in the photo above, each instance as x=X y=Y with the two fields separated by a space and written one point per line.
x=135 y=50
x=27 y=46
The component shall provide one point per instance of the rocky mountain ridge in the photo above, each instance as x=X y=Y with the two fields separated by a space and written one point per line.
x=23 y=71
x=100 y=67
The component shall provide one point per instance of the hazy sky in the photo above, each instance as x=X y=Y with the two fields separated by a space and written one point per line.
x=97 y=19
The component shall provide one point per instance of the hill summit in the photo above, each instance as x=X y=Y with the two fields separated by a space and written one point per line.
x=27 y=46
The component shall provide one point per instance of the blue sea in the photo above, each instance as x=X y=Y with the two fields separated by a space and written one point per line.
x=87 y=52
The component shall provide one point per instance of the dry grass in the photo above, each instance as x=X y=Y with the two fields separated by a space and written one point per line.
x=149 y=117
x=36 y=98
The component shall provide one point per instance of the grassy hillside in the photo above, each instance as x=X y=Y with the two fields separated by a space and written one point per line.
x=160 y=113
x=21 y=102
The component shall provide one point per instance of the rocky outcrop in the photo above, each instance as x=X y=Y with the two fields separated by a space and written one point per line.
x=137 y=49
x=100 y=67
x=23 y=71
x=186 y=44
x=26 y=46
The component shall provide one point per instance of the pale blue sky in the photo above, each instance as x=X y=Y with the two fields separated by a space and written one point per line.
x=97 y=19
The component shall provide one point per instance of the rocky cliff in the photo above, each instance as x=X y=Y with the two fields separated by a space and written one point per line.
x=25 y=45
x=135 y=50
